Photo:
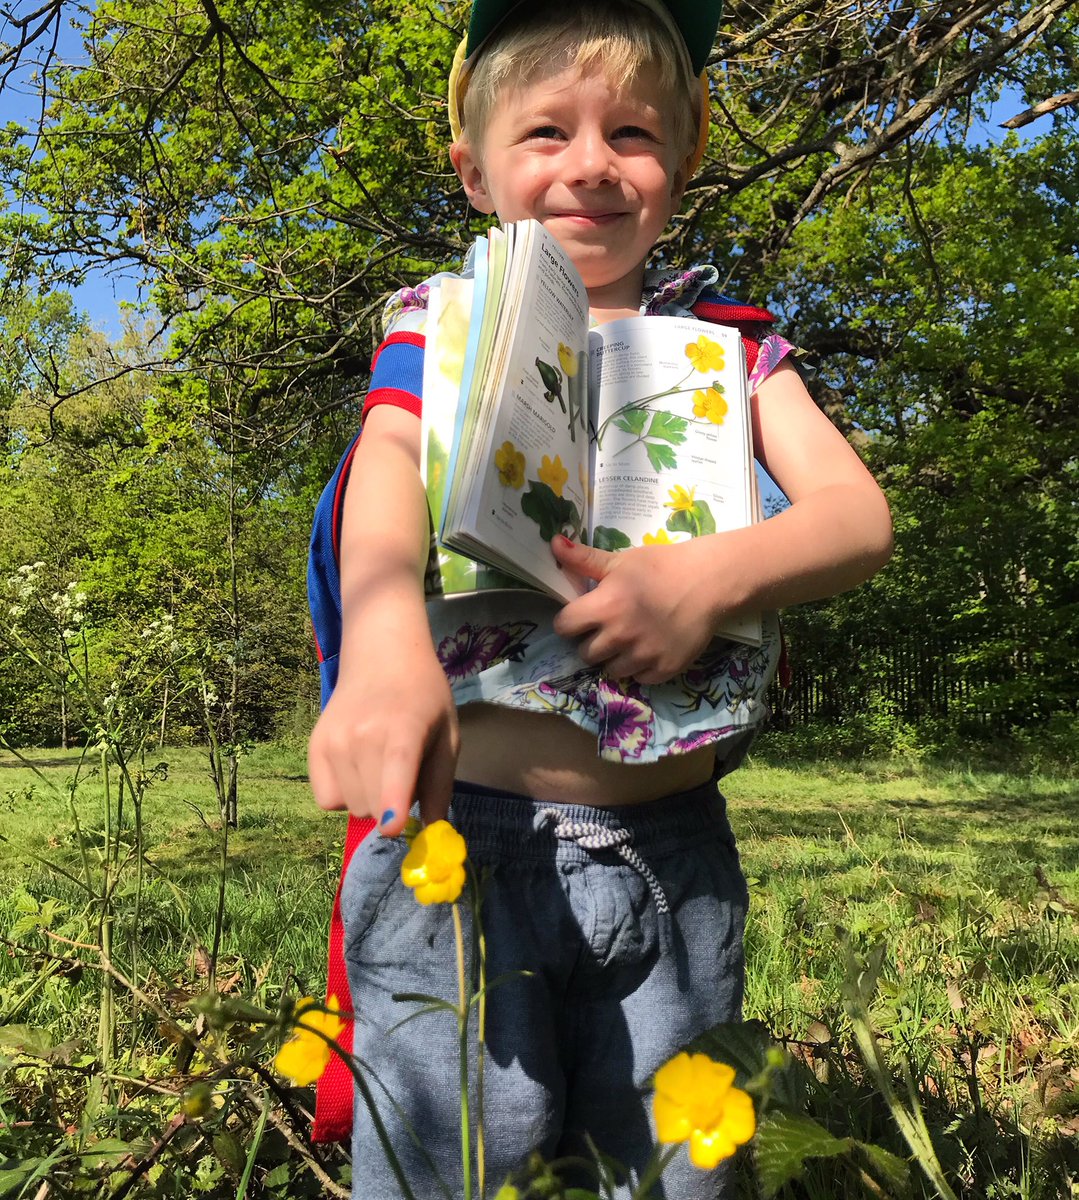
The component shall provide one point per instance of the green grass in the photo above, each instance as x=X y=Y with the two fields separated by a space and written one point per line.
x=970 y=878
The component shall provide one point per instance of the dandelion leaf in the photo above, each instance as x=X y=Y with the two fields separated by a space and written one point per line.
x=784 y=1141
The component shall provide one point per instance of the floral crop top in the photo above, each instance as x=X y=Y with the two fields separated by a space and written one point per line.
x=497 y=646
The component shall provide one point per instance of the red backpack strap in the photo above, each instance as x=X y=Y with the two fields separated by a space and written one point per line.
x=334 y=1090
x=751 y=322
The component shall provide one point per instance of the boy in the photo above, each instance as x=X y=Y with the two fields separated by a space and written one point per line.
x=570 y=725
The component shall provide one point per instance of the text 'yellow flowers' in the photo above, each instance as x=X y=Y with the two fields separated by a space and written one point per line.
x=705 y=355
x=434 y=867
x=510 y=463
x=695 y=1102
x=305 y=1055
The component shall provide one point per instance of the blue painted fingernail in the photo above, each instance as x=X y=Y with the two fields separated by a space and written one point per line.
x=387 y=817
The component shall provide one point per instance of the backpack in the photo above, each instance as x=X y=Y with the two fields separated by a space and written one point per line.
x=396 y=377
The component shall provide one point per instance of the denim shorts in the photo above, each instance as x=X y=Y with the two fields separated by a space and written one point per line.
x=616 y=935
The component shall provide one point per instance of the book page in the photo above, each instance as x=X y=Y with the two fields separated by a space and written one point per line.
x=671 y=436
x=524 y=448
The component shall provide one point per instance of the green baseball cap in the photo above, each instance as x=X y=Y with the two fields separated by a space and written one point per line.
x=697 y=21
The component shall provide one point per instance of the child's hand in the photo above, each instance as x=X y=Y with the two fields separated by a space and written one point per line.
x=649 y=617
x=387 y=736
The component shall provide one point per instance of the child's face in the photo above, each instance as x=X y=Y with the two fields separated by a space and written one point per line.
x=596 y=166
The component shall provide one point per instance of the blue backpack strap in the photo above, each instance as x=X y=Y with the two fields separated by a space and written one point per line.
x=396 y=378
x=323 y=574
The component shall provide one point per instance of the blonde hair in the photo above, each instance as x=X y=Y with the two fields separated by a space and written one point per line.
x=620 y=38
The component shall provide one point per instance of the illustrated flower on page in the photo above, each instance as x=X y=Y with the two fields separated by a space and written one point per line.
x=434 y=867
x=567 y=360
x=705 y=355
x=305 y=1055
x=680 y=500
x=510 y=463
x=694 y=1102
x=710 y=404
x=659 y=538
x=553 y=474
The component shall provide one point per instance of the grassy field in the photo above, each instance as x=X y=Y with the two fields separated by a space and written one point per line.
x=968 y=878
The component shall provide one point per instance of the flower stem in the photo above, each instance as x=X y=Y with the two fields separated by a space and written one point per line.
x=462 y=1031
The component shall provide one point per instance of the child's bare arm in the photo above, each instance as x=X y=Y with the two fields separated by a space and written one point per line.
x=389 y=732
x=656 y=607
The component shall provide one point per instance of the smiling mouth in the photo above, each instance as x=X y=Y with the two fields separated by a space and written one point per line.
x=584 y=218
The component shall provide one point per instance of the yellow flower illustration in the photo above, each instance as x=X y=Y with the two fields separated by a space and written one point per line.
x=695 y=1102
x=305 y=1055
x=680 y=500
x=434 y=867
x=659 y=538
x=705 y=355
x=511 y=465
x=567 y=360
x=710 y=404
x=553 y=474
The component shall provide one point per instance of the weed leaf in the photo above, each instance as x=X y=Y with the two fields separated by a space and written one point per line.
x=784 y=1141
x=894 y=1170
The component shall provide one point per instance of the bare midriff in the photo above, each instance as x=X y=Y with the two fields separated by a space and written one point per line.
x=547 y=757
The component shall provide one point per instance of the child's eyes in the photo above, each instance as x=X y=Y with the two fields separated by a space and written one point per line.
x=545 y=131
x=634 y=131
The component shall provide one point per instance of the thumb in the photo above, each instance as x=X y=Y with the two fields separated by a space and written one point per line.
x=581 y=559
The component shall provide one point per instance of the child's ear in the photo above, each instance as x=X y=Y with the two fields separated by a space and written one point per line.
x=466 y=163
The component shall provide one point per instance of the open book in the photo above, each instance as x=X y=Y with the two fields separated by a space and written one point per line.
x=636 y=432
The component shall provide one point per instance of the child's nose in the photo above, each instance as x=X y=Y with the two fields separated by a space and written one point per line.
x=593 y=160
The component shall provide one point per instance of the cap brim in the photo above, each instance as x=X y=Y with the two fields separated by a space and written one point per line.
x=698 y=21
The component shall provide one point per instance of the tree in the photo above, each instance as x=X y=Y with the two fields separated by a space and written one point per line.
x=942 y=312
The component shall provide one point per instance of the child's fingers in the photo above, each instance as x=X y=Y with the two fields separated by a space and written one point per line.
x=435 y=787
x=324 y=782
x=398 y=777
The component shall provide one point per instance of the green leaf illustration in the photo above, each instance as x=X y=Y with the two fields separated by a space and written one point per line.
x=633 y=421
x=660 y=456
x=668 y=427
x=605 y=537
x=550 y=512
x=696 y=521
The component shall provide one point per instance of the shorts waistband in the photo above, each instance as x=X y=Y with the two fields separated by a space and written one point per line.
x=496 y=823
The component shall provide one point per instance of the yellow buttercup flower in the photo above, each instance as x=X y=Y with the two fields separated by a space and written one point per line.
x=659 y=538
x=305 y=1055
x=553 y=474
x=434 y=867
x=710 y=404
x=695 y=1102
x=705 y=355
x=680 y=500
x=567 y=360
x=511 y=465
